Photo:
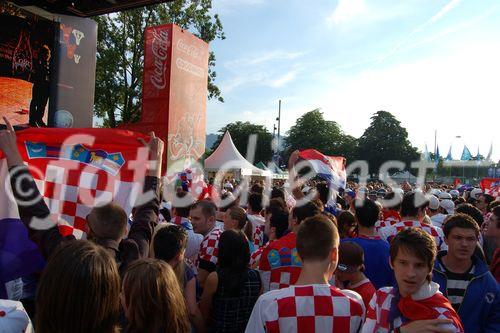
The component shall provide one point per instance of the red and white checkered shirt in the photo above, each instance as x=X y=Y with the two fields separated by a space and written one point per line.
x=279 y=264
x=387 y=233
x=255 y=257
x=377 y=315
x=385 y=223
x=209 y=247
x=258 y=223
x=308 y=308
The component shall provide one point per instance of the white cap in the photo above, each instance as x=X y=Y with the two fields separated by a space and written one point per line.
x=13 y=317
x=475 y=192
x=435 y=191
x=448 y=206
x=433 y=202
x=454 y=194
x=444 y=195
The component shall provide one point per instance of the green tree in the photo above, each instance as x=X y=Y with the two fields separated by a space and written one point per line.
x=313 y=131
x=120 y=53
x=385 y=140
x=240 y=133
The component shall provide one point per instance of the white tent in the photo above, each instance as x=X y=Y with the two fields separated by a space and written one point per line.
x=404 y=176
x=226 y=157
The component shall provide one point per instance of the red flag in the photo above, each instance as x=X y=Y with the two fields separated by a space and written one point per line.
x=74 y=174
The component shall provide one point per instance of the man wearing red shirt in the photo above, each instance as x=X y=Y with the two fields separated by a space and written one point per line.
x=279 y=264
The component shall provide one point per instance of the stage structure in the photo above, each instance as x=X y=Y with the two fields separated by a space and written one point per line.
x=174 y=95
x=47 y=68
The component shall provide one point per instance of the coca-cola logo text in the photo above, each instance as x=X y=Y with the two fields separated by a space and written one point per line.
x=190 y=50
x=159 y=46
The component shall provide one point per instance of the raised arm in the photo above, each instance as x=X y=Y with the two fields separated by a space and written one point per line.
x=33 y=211
x=146 y=215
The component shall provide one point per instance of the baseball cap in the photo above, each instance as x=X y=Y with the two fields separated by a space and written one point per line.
x=454 y=194
x=475 y=192
x=444 y=195
x=433 y=202
x=435 y=192
x=351 y=256
x=13 y=317
x=447 y=205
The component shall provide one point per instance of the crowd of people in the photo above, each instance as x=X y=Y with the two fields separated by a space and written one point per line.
x=400 y=260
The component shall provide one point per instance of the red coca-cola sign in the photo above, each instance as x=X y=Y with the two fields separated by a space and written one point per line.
x=159 y=46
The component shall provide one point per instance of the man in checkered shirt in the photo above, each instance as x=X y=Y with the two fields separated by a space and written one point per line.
x=202 y=216
x=311 y=305
x=413 y=212
x=279 y=265
x=415 y=304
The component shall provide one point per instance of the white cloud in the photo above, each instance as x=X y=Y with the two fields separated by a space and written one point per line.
x=262 y=58
x=449 y=6
x=436 y=17
x=282 y=80
x=262 y=68
x=345 y=11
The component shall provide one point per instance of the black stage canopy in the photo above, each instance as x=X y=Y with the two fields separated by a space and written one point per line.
x=86 y=8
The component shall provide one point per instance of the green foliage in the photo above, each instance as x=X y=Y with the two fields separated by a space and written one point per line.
x=120 y=53
x=384 y=140
x=313 y=131
x=240 y=133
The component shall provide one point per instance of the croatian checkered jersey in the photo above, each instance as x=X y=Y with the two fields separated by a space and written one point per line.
x=209 y=247
x=279 y=264
x=257 y=222
x=387 y=233
x=378 y=314
x=255 y=256
x=307 y=308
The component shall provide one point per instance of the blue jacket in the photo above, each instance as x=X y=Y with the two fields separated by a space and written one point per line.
x=480 y=308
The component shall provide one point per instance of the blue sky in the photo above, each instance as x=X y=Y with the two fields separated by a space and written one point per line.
x=434 y=64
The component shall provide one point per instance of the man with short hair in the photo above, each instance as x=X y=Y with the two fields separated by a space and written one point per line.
x=415 y=303
x=276 y=224
x=202 y=216
x=181 y=206
x=376 y=249
x=483 y=201
x=279 y=264
x=311 y=304
x=413 y=212
x=465 y=279
x=254 y=211
x=350 y=271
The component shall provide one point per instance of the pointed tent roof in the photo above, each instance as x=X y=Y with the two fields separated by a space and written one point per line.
x=227 y=157
x=261 y=165
x=275 y=168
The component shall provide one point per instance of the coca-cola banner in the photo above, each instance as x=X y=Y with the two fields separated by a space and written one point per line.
x=27 y=44
x=175 y=92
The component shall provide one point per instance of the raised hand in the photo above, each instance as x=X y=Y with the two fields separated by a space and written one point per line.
x=8 y=144
x=156 y=147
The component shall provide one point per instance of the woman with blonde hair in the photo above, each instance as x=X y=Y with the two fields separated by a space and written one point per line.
x=152 y=299
x=169 y=245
